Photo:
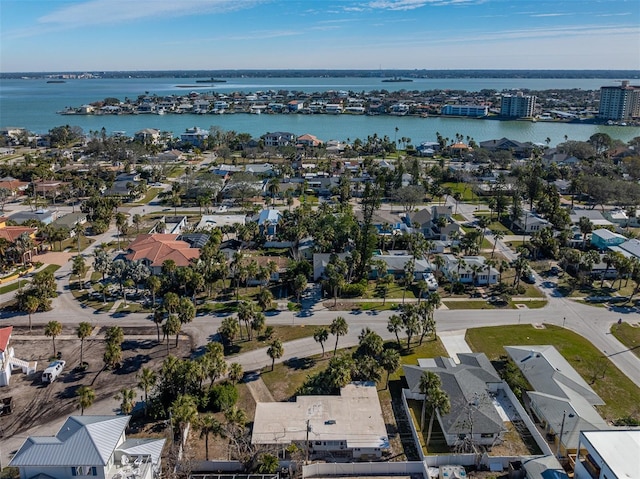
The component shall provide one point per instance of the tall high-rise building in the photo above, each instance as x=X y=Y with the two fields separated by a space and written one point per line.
x=518 y=106
x=619 y=102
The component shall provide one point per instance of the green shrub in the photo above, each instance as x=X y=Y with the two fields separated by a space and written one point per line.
x=223 y=397
x=354 y=290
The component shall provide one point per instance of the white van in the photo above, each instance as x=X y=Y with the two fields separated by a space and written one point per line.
x=53 y=371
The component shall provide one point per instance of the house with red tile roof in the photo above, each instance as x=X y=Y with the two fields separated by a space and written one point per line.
x=11 y=234
x=154 y=249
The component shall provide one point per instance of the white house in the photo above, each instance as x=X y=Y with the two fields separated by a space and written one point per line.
x=89 y=446
x=469 y=269
x=8 y=361
x=608 y=454
x=350 y=425
x=530 y=223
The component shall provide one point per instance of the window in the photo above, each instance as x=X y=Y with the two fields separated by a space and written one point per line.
x=84 y=471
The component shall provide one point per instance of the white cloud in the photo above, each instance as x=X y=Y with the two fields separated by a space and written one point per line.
x=403 y=5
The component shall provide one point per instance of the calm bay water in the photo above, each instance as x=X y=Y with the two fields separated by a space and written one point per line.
x=33 y=104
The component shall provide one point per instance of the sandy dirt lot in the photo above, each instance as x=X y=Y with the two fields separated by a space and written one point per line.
x=35 y=403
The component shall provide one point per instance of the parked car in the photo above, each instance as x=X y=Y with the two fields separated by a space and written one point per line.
x=528 y=277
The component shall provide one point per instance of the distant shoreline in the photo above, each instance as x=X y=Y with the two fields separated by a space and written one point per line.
x=410 y=74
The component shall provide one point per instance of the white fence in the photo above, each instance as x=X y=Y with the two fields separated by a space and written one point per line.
x=363 y=469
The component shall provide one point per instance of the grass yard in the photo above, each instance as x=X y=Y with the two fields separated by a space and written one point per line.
x=468 y=196
x=151 y=194
x=479 y=304
x=7 y=288
x=534 y=304
x=620 y=394
x=72 y=244
x=284 y=333
x=628 y=335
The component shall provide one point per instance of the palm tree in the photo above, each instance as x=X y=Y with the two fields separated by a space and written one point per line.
x=208 y=425
x=235 y=373
x=31 y=305
x=153 y=285
x=586 y=227
x=394 y=325
x=53 y=329
x=275 y=351
x=320 y=335
x=184 y=411
x=609 y=259
x=128 y=399
x=83 y=331
x=339 y=327
x=390 y=361
x=172 y=326
x=268 y=464
x=78 y=230
x=86 y=397
x=146 y=381
x=498 y=235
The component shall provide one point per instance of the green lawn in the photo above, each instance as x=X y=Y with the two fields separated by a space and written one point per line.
x=284 y=333
x=572 y=288
x=535 y=304
x=151 y=194
x=72 y=244
x=7 y=288
x=628 y=335
x=620 y=394
x=472 y=304
x=468 y=196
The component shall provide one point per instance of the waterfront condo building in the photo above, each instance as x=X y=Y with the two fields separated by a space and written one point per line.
x=619 y=102
x=518 y=106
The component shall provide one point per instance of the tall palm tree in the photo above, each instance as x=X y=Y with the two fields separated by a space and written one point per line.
x=390 y=361
x=320 y=335
x=235 y=373
x=184 y=411
x=208 y=425
x=146 y=381
x=127 y=400
x=434 y=398
x=86 y=397
x=586 y=227
x=30 y=305
x=83 y=331
x=339 y=327
x=51 y=330
x=498 y=235
x=275 y=351
x=394 y=325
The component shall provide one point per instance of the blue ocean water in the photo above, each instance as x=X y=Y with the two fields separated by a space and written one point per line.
x=33 y=104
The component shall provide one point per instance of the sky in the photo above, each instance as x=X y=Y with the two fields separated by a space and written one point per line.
x=112 y=35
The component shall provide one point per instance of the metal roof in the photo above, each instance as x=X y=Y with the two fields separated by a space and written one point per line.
x=81 y=441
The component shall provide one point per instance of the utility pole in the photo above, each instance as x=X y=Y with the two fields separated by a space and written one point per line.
x=564 y=415
x=306 y=451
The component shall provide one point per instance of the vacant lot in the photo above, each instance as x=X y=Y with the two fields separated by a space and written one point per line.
x=36 y=403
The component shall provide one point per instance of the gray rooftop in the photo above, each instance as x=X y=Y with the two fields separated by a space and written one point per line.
x=466 y=386
x=81 y=441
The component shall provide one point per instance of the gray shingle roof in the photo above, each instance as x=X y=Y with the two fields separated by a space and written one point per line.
x=81 y=441
x=466 y=386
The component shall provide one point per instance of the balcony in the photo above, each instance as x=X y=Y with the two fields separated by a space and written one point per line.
x=139 y=468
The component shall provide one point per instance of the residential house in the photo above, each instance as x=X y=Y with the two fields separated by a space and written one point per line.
x=15 y=187
x=530 y=223
x=608 y=454
x=89 y=446
x=8 y=361
x=428 y=148
x=396 y=265
x=154 y=249
x=281 y=263
x=49 y=188
x=170 y=156
x=517 y=148
x=441 y=211
x=268 y=221
x=560 y=159
x=321 y=260
x=195 y=136
x=596 y=217
x=266 y=169
x=350 y=425
x=279 y=138
x=308 y=140
x=174 y=224
x=124 y=185
x=543 y=467
x=208 y=222
x=561 y=401
x=150 y=136
x=44 y=216
x=471 y=385
x=472 y=269
x=12 y=233
x=630 y=248
x=604 y=239
x=69 y=221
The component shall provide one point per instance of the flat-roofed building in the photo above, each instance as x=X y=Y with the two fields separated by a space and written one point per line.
x=518 y=106
x=608 y=454
x=619 y=102
x=349 y=425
